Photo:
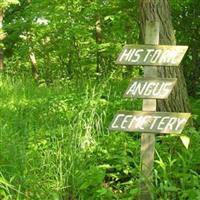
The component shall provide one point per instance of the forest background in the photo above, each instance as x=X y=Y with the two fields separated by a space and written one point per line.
x=59 y=89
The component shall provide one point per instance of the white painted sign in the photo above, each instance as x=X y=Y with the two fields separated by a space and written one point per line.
x=149 y=122
x=156 y=55
x=150 y=88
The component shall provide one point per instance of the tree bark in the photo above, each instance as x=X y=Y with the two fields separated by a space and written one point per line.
x=98 y=42
x=159 y=10
x=34 y=67
x=1 y=59
x=1 y=39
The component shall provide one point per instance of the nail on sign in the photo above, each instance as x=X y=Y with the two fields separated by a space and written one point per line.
x=150 y=88
x=151 y=55
x=149 y=122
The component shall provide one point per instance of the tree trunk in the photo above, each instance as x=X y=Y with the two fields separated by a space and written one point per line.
x=1 y=38
x=34 y=67
x=98 y=41
x=159 y=10
x=1 y=59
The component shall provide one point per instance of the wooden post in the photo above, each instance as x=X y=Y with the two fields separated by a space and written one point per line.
x=147 y=139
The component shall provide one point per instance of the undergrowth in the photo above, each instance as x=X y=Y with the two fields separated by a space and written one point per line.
x=54 y=144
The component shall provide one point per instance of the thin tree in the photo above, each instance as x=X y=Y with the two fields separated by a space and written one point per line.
x=4 y=4
x=2 y=36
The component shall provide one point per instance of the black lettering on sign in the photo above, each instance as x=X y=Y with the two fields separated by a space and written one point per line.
x=150 y=88
x=155 y=55
x=149 y=122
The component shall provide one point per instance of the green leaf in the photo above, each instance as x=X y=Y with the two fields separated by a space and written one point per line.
x=185 y=140
x=171 y=188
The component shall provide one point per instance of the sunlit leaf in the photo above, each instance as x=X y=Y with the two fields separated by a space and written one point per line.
x=185 y=140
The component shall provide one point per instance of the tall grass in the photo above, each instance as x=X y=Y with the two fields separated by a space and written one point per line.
x=44 y=134
x=54 y=144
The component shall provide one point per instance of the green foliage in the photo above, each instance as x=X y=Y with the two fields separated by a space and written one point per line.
x=115 y=154
x=54 y=141
x=186 y=24
x=49 y=136
x=5 y=188
x=4 y=4
x=62 y=36
x=196 y=112
x=55 y=145
x=176 y=171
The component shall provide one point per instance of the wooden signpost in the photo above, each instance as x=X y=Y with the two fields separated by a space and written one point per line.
x=151 y=55
x=149 y=122
x=151 y=88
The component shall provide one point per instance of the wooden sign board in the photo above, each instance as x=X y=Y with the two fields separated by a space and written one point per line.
x=151 y=88
x=149 y=122
x=152 y=55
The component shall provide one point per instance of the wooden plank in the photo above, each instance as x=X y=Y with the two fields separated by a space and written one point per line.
x=151 y=55
x=148 y=139
x=149 y=122
x=151 y=88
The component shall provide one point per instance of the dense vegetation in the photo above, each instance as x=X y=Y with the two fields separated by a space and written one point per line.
x=59 y=89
